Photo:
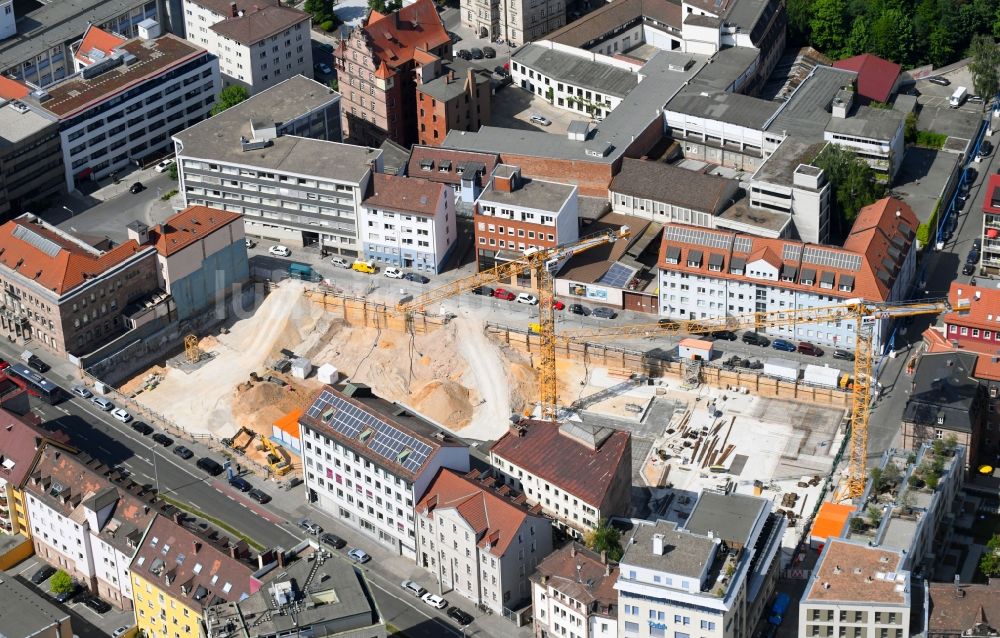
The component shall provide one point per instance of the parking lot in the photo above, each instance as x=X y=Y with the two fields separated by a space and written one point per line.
x=932 y=94
x=513 y=107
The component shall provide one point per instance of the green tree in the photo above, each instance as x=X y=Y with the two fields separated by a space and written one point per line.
x=989 y=563
x=228 y=97
x=320 y=10
x=984 y=65
x=799 y=13
x=874 y=515
x=61 y=583
x=385 y=6
x=910 y=128
x=853 y=183
x=860 y=39
x=892 y=36
x=605 y=538
x=828 y=26
x=172 y=171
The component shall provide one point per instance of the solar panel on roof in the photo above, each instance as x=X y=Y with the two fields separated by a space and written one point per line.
x=43 y=244
x=382 y=438
x=698 y=237
x=743 y=245
x=617 y=276
x=791 y=252
x=833 y=259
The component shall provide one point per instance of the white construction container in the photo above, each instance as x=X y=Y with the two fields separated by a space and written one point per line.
x=782 y=368
x=327 y=373
x=821 y=375
x=301 y=367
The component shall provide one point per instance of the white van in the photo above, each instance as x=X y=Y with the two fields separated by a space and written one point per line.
x=958 y=97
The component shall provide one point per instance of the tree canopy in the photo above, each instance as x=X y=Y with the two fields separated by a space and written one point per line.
x=229 y=97
x=853 y=184
x=989 y=563
x=985 y=65
x=605 y=538
x=61 y=583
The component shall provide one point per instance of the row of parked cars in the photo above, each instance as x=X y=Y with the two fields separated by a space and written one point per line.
x=435 y=601
x=532 y=300
x=803 y=347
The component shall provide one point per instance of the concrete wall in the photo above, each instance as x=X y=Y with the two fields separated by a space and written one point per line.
x=221 y=267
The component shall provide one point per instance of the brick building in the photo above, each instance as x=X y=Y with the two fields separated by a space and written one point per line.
x=375 y=69
x=458 y=99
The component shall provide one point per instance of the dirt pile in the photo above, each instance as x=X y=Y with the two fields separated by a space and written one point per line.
x=258 y=404
x=447 y=402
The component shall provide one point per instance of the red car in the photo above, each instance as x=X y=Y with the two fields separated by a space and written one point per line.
x=558 y=305
x=506 y=295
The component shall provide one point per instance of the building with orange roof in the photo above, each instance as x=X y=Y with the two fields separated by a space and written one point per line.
x=285 y=431
x=480 y=540
x=96 y=46
x=376 y=68
x=712 y=272
x=831 y=522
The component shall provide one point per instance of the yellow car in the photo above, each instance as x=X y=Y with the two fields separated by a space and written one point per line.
x=364 y=266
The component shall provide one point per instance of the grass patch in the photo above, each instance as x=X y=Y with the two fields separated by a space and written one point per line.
x=168 y=195
x=929 y=139
x=190 y=509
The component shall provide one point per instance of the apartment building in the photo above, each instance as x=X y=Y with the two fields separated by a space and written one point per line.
x=957 y=610
x=989 y=261
x=480 y=542
x=459 y=98
x=516 y=21
x=376 y=67
x=44 y=53
x=31 y=163
x=588 y=84
x=573 y=594
x=713 y=577
x=367 y=461
x=874 y=135
x=408 y=222
x=121 y=110
x=84 y=522
x=711 y=272
x=27 y=612
x=269 y=159
x=587 y=482
x=64 y=295
x=515 y=214
x=259 y=43
x=856 y=591
x=465 y=173
x=179 y=572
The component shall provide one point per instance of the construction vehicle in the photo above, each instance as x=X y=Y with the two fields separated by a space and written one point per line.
x=543 y=263
x=277 y=458
x=863 y=313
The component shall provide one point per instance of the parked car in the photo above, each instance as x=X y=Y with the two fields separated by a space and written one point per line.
x=310 y=526
x=366 y=267
x=972 y=257
x=667 y=324
x=489 y=53
x=332 y=540
x=539 y=119
x=499 y=70
x=413 y=588
x=434 y=600
x=121 y=414
x=476 y=53
x=322 y=68
x=968 y=269
x=416 y=278
x=259 y=496
x=97 y=604
x=163 y=439
x=121 y=631
x=393 y=273
x=460 y=616
x=939 y=81
x=485 y=291
x=579 y=309
x=279 y=251
x=359 y=555
x=340 y=262
x=781 y=344
x=506 y=295
x=210 y=466
x=525 y=298
x=137 y=187
x=240 y=483
x=38 y=364
x=164 y=166
x=971 y=175
x=142 y=428
x=725 y=335
x=462 y=53
x=81 y=391
x=985 y=149
x=558 y=305
x=102 y=403
x=977 y=244
x=183 y=452
x=63 y=597
x=42 y=574
x=809 y=349
x=324 y=47
x=249 y=243
x=755 y=339
x=843 y=355
x=604 y=312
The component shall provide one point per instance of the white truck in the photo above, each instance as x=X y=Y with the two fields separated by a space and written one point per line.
x=958 y=97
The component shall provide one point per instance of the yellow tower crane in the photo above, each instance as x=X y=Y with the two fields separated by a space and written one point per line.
x=863 y=313
x=543 y=263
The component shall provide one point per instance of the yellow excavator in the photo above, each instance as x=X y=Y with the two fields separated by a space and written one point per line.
x=277 y=458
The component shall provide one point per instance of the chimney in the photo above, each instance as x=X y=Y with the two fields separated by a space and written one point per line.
x=197 y=546
x=451 y=76
x=607 y=568
x=506 y=178
x=572 y=550
x=232 y=9
x=604 y=556
x=282 y=560
x=658 y=544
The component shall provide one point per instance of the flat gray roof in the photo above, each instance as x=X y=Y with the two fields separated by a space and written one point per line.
x=441 y=89
x=15 y=126
x=780 y=167
x=685 y=553
x=730 y=517
x=726 y=67
x=24 y=612
x=731 y=108
x=532 y=193
x=876 y=124
x=662 y=77
x=807 y=111
x=576 y=70
x=763 y=218
x=57 y=22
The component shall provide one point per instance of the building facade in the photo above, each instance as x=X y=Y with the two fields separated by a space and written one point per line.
x=479 y=542
x=31 y=164
x=587 y=482
x=259 y=44
x=457 y=99
x=989 y=262
x=516 y=21
x=376 y=67
x=573 y=594
x=408 y=222
x=368 y=461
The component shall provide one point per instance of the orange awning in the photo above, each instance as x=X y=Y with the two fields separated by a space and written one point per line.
x=831 y=520
x=289 y=423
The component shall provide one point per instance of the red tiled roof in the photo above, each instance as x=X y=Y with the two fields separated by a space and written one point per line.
x=63 y=264
x=12 y=89
x=395 y=38
x=987 y=363
x=494 y=519
x=954 y=615
x=876 y=77
x=983 y=309
x=259 y=22
x=991 y=203
x=570 y=465
x=407 y=194
x=99 y=39
x=880 y=237
x=20 y=442
x=767 y=254
x=188 y=226
x=853 y=572
x=580 y=574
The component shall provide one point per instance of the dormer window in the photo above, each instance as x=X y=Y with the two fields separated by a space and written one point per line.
x=737 y=266
x=694 y=258
x=444 y=166
x=426 y=165
x=715 y=262
x=847 y=283
x=788 y=273
x=826 y=281
x=673 y=255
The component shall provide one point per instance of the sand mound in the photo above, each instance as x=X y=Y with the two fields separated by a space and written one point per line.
x=446 y=402
x=209 y=343
x=258 y=405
